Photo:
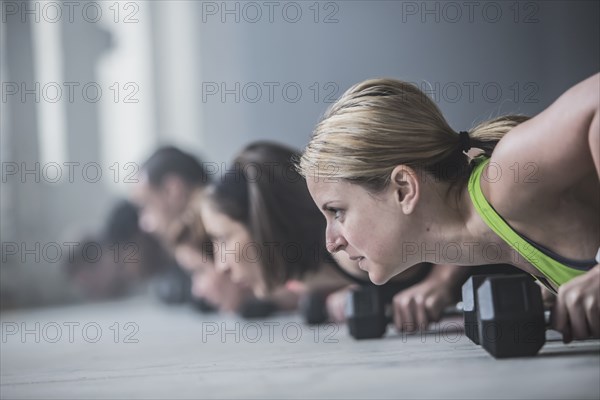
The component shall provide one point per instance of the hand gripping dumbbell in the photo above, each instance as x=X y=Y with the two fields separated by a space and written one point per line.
x=505 y=315
x=368 y=312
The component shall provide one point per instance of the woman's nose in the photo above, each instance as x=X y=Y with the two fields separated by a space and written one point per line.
x=335 y=241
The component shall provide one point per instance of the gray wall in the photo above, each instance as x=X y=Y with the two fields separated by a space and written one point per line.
x=553 y=45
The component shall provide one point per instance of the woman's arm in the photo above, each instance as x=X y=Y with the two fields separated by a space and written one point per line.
x=559 y=148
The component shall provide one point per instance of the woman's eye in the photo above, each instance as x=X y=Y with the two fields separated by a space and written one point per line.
x=337 y=213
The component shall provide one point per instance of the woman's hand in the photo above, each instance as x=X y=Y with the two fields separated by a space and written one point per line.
x=218 y=289
x=336 y=304
x=576 y=313
x=414 y=308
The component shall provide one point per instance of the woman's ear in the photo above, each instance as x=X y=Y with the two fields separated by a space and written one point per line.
x=405 y=185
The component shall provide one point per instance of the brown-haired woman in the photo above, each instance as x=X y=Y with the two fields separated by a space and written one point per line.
x=193 y=251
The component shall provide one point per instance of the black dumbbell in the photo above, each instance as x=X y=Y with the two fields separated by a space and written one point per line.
x=313 y=308
x=510 y=316
x=257 y=308
x=203 y=305
x=368 y=312
x=469 y=299
x=365 y=313
x=469 y=295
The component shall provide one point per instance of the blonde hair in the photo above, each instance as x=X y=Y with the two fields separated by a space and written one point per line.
x=381 y=123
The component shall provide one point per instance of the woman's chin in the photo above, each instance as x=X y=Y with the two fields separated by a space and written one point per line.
x=378 y=278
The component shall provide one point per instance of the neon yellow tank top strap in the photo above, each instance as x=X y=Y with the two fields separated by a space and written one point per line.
x=554 y=271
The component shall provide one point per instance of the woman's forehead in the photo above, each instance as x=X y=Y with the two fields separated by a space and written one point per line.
x=327 y=190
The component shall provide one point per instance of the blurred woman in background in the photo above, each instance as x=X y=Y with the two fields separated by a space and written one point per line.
x=118 y=260
x=193 y=251
x=165 y=184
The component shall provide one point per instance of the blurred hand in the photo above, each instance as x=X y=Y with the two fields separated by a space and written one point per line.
x=287 y=297
x=414 y=308
x=336 y=304
x=219 y=290
x=576 y=313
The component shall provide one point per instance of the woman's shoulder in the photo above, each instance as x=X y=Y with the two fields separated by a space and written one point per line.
x=540 y=160
x=512 y=180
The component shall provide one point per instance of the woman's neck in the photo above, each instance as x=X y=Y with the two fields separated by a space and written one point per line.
x=459 y=235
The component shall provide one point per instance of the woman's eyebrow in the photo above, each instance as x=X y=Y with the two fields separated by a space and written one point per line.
x=328 y=207
x=325 y=206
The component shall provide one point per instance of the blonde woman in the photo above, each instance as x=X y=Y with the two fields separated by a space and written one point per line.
x=394 y=182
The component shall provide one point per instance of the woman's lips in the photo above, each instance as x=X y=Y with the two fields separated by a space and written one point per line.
x=361 y=263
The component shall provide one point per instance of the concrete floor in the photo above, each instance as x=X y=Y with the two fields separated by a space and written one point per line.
x=175 y=352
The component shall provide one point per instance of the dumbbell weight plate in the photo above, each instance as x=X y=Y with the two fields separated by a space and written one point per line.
x=365 y=313
x=510 y=316
x=469 y=299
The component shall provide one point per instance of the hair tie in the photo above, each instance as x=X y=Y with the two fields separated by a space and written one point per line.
x=465 y=140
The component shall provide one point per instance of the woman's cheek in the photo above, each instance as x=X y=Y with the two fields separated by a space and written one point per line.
x=356 y=232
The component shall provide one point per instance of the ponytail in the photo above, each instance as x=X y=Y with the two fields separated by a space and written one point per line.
x=487 y=134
